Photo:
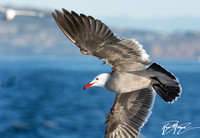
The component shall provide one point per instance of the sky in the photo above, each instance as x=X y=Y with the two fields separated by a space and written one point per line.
x=156 y=15
x=137 y=9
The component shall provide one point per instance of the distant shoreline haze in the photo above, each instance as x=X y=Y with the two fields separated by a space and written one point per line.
x=32 y=36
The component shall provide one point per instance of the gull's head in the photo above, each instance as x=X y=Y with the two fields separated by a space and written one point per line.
x=99 y=80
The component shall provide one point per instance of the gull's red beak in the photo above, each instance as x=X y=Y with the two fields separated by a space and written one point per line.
x=88 y=85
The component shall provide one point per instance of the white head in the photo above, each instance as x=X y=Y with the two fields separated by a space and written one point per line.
x=99 y=80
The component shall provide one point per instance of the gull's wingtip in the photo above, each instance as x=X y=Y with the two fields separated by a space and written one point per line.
x=53 y=14
x=58 y=12
x=63 y=9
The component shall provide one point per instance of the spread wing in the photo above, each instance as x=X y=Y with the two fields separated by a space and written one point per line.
x=94 y=38
x=129 y=113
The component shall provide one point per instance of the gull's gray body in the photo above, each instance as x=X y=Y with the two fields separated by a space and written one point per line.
x=123 y=82
x=132 y=82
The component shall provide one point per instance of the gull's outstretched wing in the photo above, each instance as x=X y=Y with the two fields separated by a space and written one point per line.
x=94 y=38
x=129 y=113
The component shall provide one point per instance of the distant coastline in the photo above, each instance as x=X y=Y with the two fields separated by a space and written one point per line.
x=30 y=36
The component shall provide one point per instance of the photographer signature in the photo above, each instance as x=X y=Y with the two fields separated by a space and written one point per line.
x=174 y=127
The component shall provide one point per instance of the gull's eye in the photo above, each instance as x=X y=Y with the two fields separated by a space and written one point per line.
x=97 y=78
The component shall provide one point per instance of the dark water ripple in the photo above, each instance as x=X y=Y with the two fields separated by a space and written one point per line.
x=45 y=99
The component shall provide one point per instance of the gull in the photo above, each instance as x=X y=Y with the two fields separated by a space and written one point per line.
x=10 y=13
x=131 y=79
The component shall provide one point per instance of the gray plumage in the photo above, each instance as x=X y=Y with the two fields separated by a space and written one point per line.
x=130 y=79
x=129 y=112
x=96 y=39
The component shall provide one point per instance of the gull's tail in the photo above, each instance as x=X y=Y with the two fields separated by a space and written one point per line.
x=165 y=83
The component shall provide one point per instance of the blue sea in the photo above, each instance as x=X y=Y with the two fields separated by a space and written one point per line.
x=44 y=98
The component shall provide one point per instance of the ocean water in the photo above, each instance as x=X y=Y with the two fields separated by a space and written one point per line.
x=44 y=98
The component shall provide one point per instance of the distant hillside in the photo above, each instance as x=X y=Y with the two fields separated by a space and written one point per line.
x=31 y=36
x=167 y=46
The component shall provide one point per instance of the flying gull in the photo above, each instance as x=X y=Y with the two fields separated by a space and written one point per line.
x=9 y=14
x=132 y=81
